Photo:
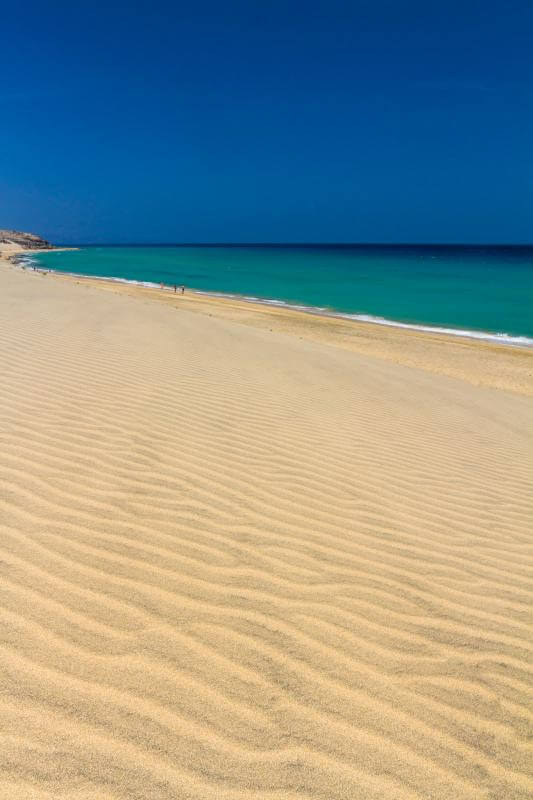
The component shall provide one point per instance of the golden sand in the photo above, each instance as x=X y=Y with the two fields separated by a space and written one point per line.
x=246 y=553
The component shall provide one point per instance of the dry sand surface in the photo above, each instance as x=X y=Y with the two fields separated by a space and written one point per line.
x=239 y=561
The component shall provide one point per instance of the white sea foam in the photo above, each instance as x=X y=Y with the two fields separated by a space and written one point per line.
x=500 y=338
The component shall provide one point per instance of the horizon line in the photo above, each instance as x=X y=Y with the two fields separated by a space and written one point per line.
x=293 y=244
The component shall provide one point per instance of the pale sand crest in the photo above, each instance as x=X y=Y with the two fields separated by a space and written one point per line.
x=237 y=563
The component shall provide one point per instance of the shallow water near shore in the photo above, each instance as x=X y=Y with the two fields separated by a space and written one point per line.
x=485 y=292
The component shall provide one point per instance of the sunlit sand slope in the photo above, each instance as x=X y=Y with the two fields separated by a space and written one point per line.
x=237 y=564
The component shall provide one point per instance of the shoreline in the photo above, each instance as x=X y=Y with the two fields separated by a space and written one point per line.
x=478 y=361
x=499 y=338
x=10 y=252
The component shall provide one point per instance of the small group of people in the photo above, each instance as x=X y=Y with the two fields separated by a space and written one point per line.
x=176 y=288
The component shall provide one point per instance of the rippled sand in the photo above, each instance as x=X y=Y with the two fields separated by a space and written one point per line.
x=238 y=561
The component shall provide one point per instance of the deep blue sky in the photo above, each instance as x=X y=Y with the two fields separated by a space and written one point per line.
x=268 y=121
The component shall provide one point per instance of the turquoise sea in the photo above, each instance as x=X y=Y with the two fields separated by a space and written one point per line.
x=470 y=290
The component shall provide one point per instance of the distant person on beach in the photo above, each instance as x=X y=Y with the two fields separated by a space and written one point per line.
x=182 y=289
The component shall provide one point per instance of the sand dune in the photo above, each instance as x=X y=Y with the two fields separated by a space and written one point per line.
x=240 y=564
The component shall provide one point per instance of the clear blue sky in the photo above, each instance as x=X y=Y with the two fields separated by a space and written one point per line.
x=268 y=121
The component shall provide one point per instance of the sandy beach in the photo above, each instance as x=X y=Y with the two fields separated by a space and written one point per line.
x=247 y=553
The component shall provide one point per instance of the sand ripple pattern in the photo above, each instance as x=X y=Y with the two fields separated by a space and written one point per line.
x=235 y=564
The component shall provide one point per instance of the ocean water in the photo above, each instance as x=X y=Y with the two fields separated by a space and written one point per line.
x=468 y=290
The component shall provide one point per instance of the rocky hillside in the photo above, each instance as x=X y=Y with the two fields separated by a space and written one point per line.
x=28 y=240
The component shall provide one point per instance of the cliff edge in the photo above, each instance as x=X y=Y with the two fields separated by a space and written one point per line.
x=29 y=241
